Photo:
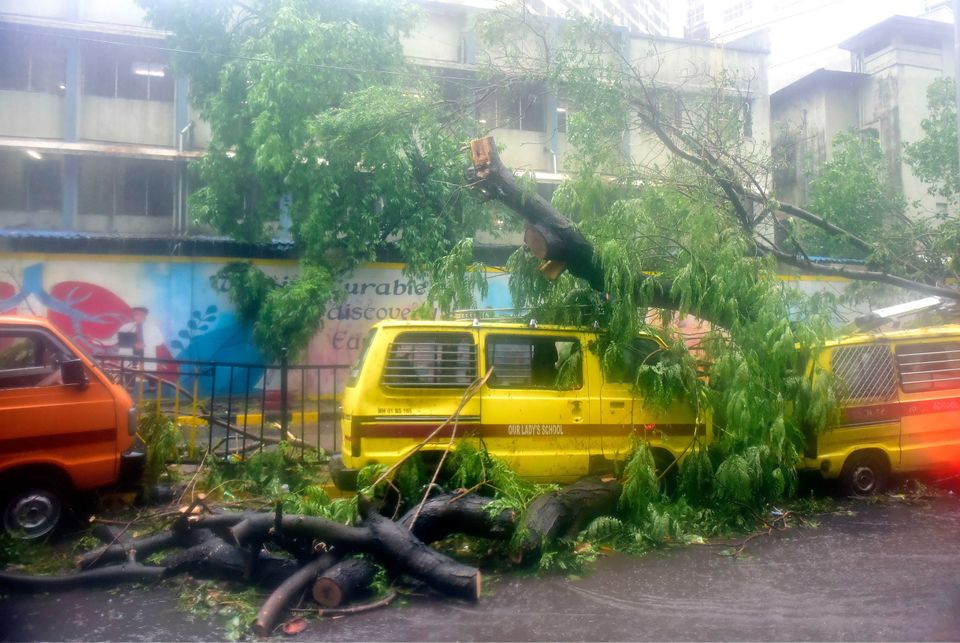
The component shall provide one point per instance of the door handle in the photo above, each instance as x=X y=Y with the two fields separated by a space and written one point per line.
x=618 y=405
x=575 y=407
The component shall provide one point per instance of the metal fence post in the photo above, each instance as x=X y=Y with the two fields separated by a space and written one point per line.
x=283 y=394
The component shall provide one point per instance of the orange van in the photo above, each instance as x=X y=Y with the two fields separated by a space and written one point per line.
x=65 y=427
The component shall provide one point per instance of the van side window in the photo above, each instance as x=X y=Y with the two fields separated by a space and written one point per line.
x=534 y=362
x=431 y=360
x=864 y=373
x=28 y=359
x=641 y=351
x=929 y=367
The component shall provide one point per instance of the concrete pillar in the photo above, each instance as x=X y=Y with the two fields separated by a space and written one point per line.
x=70 y=182
x=182 y=134
x=71 y=191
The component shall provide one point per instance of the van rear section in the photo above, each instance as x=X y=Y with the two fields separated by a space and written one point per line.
x=541 y=406
x=899 y=396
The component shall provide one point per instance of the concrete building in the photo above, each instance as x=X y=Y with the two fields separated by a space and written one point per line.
x=96 y=132
x=882 y=94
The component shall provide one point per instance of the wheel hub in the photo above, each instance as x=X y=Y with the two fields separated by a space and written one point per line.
x=864 y=479
x=33 y=515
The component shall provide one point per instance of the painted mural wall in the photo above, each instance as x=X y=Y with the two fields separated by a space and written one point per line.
x=176 y=309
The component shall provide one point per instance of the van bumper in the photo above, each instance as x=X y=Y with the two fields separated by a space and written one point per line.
x=132 y=464
x=343 y=478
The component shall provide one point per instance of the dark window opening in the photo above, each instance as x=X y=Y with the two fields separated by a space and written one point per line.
x=32 y=62
x=534 y=362
x=642 y=351
x=44 y=185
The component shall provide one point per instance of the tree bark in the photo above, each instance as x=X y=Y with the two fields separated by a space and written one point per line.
x=563 y=513
x=397 y=547
x=549 y=235
x=455 y=513
x=344 y=582
x=271 y=609
x=103 y=577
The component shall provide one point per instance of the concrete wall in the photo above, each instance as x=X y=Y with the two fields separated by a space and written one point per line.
x=31 y=114
x=122 y=120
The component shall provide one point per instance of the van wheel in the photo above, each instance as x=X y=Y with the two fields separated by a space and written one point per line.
x=33 y=510
x=864 y=474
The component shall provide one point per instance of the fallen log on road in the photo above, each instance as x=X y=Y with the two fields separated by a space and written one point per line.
x=563 y=513
x=458 y=513
x=270 y=612
x=343 y=582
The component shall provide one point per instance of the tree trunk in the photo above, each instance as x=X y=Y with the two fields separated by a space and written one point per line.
x=103 y=577
x=344 y=582
x=270 y=611
x=397 y=547
x=563 y=513
x=455 y=513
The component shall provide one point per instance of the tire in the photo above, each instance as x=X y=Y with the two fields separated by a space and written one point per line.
x=34 y=509
x=864 y=474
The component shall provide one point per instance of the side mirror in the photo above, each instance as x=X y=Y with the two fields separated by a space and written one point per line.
x=73 y=373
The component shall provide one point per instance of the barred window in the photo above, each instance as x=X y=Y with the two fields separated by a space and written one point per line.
x=929 y=367
x=431 y=360
x=864 y=373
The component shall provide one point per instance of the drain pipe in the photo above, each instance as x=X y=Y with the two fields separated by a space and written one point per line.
x=180 y=224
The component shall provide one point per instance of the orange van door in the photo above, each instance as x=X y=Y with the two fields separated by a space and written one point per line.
x=930 y=404
x=44 y=421
x=535 y=410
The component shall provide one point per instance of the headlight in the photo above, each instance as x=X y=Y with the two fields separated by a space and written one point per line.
x=133 y=420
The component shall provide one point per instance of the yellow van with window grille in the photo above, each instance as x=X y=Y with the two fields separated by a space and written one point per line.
x=547 y=408
x=899 y=396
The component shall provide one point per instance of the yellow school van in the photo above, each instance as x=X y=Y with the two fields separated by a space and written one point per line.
x=547 y=408
x=899 y=397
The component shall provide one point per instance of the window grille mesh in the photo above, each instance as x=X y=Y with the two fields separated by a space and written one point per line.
x=431 y=360
x=864 y=373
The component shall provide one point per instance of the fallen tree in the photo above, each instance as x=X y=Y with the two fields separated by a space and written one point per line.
x=320 y=556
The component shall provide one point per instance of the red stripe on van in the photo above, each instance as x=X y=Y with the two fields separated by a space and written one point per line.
x=892 y=411
x=55 y=441
x=415 y=430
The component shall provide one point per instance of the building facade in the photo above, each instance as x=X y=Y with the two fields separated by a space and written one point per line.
x=881 y=95
x=96 y=132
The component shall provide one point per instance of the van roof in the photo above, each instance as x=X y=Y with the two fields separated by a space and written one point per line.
x=923 y=332
x=467 y=324
x=24 y=320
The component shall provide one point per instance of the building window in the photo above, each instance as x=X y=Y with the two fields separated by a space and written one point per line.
x=44 y=185
x=32 y=62
x=127 y=187
x=736 y=9
x=117 y=71
x=512 y=107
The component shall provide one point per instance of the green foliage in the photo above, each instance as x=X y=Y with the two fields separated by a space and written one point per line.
x=316 y=117
x=457 y=281
x=851 y=190
x=271 y=474
x=934 y=157
x=641 y=488
x=237 y=607
x=284 y=316
x=163 y=439
x=472 y=467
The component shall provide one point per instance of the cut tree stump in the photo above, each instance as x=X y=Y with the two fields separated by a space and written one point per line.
x=342 y=583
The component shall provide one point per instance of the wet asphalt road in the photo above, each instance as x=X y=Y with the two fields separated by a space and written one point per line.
x=890 y=571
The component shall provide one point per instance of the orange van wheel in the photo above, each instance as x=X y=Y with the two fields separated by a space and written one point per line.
x=34 y=509
x=864 y=473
